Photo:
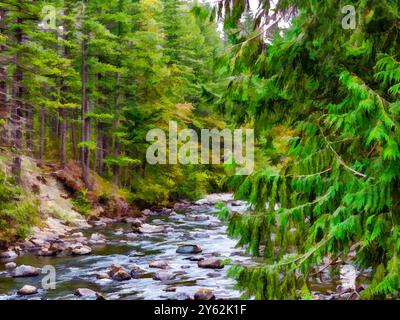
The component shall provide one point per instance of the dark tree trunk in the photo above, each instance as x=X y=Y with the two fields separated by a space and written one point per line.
x=3 y=87
x=17 y=106
x=63 y=138
x=42 y=132
x=100 y=149
x=116 y=168
x=85 y=129
x=73 y=138
x=29 y=129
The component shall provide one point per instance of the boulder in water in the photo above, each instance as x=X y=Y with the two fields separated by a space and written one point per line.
x=164 y=276
x=188 y=249
x=160 y=264
x=147 y=228
x=211 y=264
x=27 y=290
x=118 y=273
x=86 y=293
x=25 y=271
x=10 y=265
x=81 y=250
x=9 y=255
x=204 y=294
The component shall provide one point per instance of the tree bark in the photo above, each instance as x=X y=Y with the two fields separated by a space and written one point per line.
x=42 y=133
x=116 y=168
x=3 y=87
x=17 y=106
x=85 y=129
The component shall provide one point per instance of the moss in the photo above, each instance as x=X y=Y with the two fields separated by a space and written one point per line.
x=81 y=203
x=18 y=211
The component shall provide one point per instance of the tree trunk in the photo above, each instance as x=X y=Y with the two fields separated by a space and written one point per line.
x=100 y=149
x=116 y=144
x=42 y=133
x=73 y=138
x=63 y=138
x=85 y=129
x=29 y=129
x=3 y=87
x=17 y=107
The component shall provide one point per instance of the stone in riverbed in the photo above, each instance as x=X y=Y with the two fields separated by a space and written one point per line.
x=118 y=273
x=211 y=264
x=204 y=294
x=85 y=293
x=160 y=264
x=27 y=290
x=147 y=212
x=46 y=252
x=25 y=271
x=195 y=258
x=200 y=217
x=201 y=235
x=213 y=275
x=10 y=265
x=81 y=250
x=170 y=289
x=121 y=275
x=164 y=276
x=96 y=239
x=9 y=255
x=136 y=272
x=77 y=235
x=147 y=228
x=189 y=249
x=102 y=276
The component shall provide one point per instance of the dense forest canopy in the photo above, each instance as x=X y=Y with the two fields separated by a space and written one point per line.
x=319 y=81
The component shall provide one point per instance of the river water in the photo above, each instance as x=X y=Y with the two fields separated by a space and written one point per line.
x=123 y=247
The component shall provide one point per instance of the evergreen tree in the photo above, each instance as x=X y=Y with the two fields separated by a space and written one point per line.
x=337 y=90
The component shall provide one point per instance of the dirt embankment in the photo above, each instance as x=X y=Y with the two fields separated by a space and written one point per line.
x=61 y=198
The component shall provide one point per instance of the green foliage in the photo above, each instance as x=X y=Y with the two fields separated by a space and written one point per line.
x=336 y=91
x=18 y=213
x=81 y=202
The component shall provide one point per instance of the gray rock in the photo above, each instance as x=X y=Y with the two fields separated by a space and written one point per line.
x=160 y=264
x=211 y=264
x=102 y=275
x=27 y=290
x=164 y=276
x=118 y=273
x=96 y=239
x=86 y=293
x=204 y=294
x=9 y=255
x=10 y=265
x=200 y=217
x=121 y=275
x=188 y=249
x=195 y=258
x=170 y=289
x=201 y=235
x=146 y=228
x=25 y=271
x=81 y=250
x=213 y=275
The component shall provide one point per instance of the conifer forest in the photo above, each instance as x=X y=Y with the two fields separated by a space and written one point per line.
x=199 y=150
